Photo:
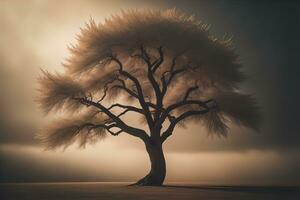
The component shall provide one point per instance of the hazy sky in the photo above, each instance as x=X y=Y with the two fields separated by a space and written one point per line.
x=35 y=34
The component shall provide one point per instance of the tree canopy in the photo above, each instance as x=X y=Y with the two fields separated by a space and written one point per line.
x=165 y=64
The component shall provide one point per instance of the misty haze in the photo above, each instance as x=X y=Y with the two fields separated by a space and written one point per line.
x=149 y=100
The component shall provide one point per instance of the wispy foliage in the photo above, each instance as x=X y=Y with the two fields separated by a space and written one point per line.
x=215 y=122
x=67 y=130
x=174 y=31
x=57 y=91
x=240 y=108
x=185 y=60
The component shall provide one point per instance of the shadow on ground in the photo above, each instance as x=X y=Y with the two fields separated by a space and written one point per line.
x=121 y=191
x=249 y=189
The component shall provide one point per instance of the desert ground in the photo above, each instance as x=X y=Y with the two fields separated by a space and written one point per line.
x=120 y=191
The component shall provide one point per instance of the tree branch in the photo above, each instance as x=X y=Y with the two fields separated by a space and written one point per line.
x=172 y=107
x=139 y=90
x=154 y=83
x=122 y=125
x=166 y=82
x=129 y=108
x=130 y=92
x=175 y=121
x=106 y=88
x=156 y=64
x=189 y=91
x=92 y=126
x=150 y=74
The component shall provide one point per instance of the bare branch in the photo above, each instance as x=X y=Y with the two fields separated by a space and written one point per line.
x=189 y=91
x=123 y=87
x=150 y=73
x=92 y=126
x=106 y=88
x=139 y=91
x=163 y=110
x=127 y=109
x=154 y=83
x=172 y=73
x=132 y=108
x=168 y=110
x=167 y=81
x=156 y=64
x=175 y=121
x=120 y=123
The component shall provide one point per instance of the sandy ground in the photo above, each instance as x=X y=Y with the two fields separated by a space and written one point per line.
x=119 y=191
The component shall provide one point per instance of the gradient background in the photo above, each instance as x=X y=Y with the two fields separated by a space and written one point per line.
x=35 y=34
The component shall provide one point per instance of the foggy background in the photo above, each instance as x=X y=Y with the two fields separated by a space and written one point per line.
x=35 y=35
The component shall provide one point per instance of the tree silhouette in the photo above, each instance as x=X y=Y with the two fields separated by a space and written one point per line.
x=164 y=66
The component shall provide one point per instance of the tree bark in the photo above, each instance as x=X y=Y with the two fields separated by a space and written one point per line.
x=157 y=174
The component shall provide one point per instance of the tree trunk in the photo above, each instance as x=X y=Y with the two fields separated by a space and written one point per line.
x=157 y=174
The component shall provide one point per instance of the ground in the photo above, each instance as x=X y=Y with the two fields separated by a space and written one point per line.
x=120 y=191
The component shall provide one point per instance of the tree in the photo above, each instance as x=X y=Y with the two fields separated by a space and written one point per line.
x=163 y=66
